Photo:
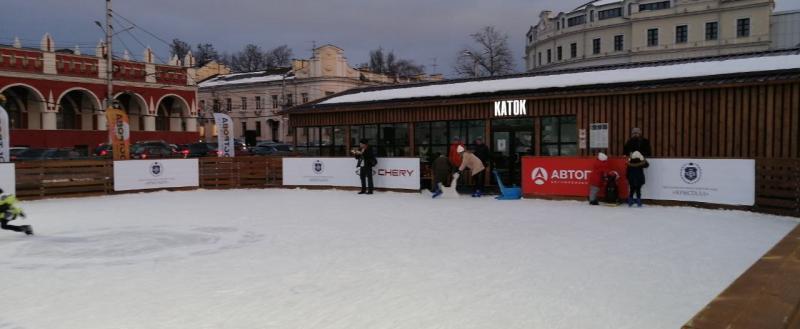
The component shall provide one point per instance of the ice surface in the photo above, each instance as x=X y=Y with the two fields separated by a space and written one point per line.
x=649 y=73
x=334 y=259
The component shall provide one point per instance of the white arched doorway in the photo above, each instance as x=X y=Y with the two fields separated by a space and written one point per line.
x=135 y=106
x=76 y=109
x=172 y=114
x=25 y=106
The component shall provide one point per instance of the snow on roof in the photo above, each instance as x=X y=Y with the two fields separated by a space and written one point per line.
x=598 y=3
x=242 y=78
x=646 y=73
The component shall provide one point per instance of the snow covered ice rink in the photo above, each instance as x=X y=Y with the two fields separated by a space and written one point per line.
x=334 y=259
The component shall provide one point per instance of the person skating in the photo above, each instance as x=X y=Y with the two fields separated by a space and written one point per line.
x=635 y=172
x=441 y=174
x=9 y=210
x=471 y=162
x=600 y=169
x=366 y=161
x=482 y=151
x=637 y=143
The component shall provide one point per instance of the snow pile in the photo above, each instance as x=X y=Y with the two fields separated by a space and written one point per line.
x=227 y=80
x=334 y=259
x=649 y=73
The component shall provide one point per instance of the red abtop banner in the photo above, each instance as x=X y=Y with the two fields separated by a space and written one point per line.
x=566 y=176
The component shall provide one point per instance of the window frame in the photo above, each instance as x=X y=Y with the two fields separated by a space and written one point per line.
x=619 y=42
x=560 y=143
x=715 y=31
x=652 y=38
x=596 y=46
x=743 y=31
x=682 y=34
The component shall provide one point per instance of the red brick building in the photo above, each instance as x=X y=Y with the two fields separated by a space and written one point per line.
x=56 y=98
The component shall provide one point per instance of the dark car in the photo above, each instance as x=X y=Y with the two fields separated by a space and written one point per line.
x=197 y=150
x=15 y=151
x=153 y=150
x=273 y=149
x=48 y=154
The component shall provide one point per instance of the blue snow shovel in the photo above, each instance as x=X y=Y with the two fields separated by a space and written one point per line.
x=507 y=193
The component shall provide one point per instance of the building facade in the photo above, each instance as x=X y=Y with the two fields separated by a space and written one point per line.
x=608 y=32
x=56 y=98
x=735 y=106
x=254 y=99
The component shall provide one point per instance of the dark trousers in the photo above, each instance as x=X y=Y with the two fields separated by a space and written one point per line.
x=366 y=179
x=635 y=192
x=4 y=225
x=479 y=180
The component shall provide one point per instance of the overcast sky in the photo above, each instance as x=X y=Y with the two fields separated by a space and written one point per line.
x=420 y=30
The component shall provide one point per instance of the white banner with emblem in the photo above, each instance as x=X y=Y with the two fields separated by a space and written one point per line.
x=719 y=181
x=7 y=178
x=395 y=173
x=155 y=174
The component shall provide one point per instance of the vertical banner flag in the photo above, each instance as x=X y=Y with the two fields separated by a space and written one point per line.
x=224 y=135
x=119 y=133
x=5 y=142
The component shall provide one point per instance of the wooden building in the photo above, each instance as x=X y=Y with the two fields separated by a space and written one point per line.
x=738 y=106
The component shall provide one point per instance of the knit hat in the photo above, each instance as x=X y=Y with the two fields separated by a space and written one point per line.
x=363 y=141
x=460 y=149
x=636 y=131
x=637 y=155
x=602 y=156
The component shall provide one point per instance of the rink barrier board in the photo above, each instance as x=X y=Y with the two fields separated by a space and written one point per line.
x=777 y=180
x=767 y=295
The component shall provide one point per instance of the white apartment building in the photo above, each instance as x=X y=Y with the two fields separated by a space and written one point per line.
x=606 y=32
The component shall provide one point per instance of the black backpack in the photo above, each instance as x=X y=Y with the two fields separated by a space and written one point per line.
x=612 y=192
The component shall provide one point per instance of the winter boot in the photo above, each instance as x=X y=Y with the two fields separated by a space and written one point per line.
x=27 y=229
x=639 y=202
x=436 y=194
x=630 y=201
x=477 y=194
x=594 y=203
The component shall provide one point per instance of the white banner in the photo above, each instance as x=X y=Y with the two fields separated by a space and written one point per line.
x=720 y=181
x=396 y=173
x=5 y=140
x=155 y=174
x=7 y=178
x=224 y=135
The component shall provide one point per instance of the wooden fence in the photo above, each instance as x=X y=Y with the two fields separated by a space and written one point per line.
x=778 y=186
x=777 y=180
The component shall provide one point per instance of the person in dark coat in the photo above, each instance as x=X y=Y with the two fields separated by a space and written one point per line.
x=441 y=174
x=481 y=151
x=637 y=143
x=366 y=161
x=635 y=173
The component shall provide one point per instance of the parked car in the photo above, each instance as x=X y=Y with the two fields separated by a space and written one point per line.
x=33 y=154
x=153 y=150
x=273 y=149
x=202 y=149
x=15 y=151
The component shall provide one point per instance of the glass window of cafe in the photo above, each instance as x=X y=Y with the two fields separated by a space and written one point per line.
x=390 y=140
x=322 y=141
x=559 y=136
x=432 y=138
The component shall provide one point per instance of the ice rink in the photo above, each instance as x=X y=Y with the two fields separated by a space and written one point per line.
x=333 y=259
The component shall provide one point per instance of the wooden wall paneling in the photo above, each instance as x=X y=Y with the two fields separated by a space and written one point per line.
x=795 y=110
x=770 y=116
x=761 y=143
x=650 y=116
x=738 y=131
x=787 y=121
x=752 y=122
x=777 y=126
x=723 y=123
x=681 y=132
x=656 y=135
x=699 y=120
x=618 y=140
x=673 y=125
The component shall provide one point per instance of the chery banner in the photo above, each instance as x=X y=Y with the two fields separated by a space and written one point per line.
x=396 y=173
x=566 y=176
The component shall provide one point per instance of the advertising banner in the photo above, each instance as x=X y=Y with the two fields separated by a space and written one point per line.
x=395 y=173
x=119 y=133
x=224 y=135
x=566 y=176
x=155 y=174
x=7 y=178
x=5 y=141
x=719 y=181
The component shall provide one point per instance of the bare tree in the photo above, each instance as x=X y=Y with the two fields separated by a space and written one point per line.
x=204 y=54
x=280 y=56
x=387 y=63
x=249 y=59
x=492 y=56
x=180 y=48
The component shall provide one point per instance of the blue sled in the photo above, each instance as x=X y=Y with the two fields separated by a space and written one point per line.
x=507 y=193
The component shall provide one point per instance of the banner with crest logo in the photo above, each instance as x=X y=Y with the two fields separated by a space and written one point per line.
x=119 y=133
x=156 y=174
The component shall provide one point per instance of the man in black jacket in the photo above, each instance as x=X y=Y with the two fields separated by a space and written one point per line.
x=366 y=161
x=637 y=143
x=481 y=151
